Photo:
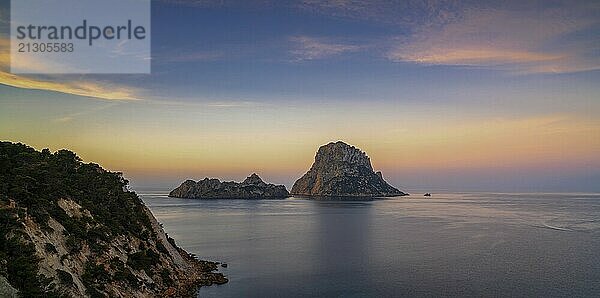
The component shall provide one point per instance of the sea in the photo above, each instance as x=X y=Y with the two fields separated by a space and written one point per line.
x=446 y=245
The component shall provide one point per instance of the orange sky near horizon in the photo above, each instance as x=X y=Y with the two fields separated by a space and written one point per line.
x=251 y=139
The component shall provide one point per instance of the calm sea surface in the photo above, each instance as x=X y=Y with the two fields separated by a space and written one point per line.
x=471 y=244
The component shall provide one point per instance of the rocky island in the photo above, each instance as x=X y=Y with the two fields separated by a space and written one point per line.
x=251 y=188
x=341 y=170
x=71 y=229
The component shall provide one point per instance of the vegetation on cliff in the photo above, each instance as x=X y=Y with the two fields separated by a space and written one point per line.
x=68 y=228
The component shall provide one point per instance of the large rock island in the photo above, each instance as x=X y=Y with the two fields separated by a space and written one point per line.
x=71 y=229
x=251 y=188
x=341 y=170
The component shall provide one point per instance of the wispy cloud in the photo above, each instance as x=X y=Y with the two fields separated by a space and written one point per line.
x=311 y=48
x=407 y=12
x=98 y=90
x=4 y=13
x=206 y=103
x=70 y=117
x=531 y=41
x=515 y=36
x=87 y=88
x=196 y=56
x=227 y=3
x=199 y=3
x=382 y=11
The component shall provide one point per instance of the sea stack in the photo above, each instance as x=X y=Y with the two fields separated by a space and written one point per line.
x=251 y=188
x=341 y=170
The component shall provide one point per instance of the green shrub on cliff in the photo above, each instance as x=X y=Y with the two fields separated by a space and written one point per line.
x=31 y=184
x=143 y=260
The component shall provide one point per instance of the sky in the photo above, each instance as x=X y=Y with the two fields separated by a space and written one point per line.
x=442 y=95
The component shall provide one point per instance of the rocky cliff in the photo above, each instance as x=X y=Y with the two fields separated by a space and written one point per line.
x=341 y=170
x=251 y=188
x=69 y=229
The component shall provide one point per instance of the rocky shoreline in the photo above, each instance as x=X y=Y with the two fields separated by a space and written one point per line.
x=202 y=274
x=198 y=273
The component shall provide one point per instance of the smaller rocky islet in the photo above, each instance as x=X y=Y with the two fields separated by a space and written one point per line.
x=251 y=188
x=340 y=171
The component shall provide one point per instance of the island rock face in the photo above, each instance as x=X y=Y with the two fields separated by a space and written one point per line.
x=251 y=188
x=341 y=170
x=71 y=229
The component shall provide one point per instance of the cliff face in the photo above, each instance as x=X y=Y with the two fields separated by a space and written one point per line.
x=251 y=188
x=341 y=170
x=71 y=229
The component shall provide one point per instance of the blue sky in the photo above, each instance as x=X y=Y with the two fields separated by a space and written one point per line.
x=441 y=94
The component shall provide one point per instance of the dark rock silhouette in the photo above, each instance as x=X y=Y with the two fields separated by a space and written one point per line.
x=341 y=170
x=251 y=188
